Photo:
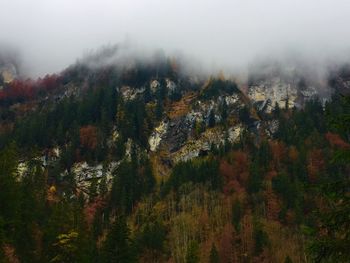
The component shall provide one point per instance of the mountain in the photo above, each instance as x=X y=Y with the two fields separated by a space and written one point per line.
x=141 y=161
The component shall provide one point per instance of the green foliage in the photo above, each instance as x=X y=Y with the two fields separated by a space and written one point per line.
x=211 y=121
x=286 y=189
x=153 y=236
x=9 y=192
x=68 y=226
x=214 y=255
x=331 y=236
x=93 y=188
x=255 y=179
x=244 y=115
x=193 y=253
x=288 y=260
x=117 y=247
x=224 y=111
x=199 y=127
x=66 y=248
x=160 y=97
x=217 y=87
x=260 y=237
x=264 y=156
x=332 y=245
x=237 y=215
x=132 y=180
x=196 y=171
x=294 y=129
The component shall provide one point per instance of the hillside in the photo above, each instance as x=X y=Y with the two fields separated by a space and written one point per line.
x=143 y=162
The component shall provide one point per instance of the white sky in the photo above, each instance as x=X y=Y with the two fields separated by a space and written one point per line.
x=51 y=34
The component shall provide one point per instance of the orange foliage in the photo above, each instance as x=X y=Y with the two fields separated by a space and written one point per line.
x=293 y=154
x=88 y=136
x=273 y=206
x=235 y=171
x=336 y=141
x=10 y=254
x=181 y=107
x=278 y=150
x=226 y=244
x=52 y=196
x=316 y=164
x=240 y=163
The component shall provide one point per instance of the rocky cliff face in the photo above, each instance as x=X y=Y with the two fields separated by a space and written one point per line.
x=200 y=115
x=8 y=72
x=198 y=125
x=287 y=88
x=9 y=66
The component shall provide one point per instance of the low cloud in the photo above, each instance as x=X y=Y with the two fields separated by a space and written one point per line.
x=214 y=35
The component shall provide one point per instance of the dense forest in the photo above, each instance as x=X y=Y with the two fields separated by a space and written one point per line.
x=281 y=197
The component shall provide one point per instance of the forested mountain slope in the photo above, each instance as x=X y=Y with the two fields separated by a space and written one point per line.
x=147 y=163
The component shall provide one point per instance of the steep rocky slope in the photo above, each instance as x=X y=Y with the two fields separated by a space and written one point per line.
x=178 y=163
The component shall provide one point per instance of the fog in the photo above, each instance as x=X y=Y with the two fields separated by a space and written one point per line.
x=229 y=35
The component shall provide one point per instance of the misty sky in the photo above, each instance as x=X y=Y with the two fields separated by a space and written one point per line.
x=51 y=34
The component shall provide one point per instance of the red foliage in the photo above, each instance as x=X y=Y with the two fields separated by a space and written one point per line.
x=49 y=82
x=271 y=174
x=235 y=171
x=227 y=170
x=18 y=90
x=27 y=89
x=278 y=150
x=240 y=162
x=88 y=137
x=226 y=244
x=91 y=208
x=336 y=141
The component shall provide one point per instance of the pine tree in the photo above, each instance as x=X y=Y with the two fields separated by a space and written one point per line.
x=236 y=215
x=211 y=121
x=93 y=188
x=288 y=260
x=260 y=238
x=224 y=113
x=116 y=248
x=214 y=255
x=192 y=253
x=9 y=192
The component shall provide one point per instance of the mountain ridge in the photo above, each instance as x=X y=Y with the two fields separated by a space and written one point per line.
x=167 y=165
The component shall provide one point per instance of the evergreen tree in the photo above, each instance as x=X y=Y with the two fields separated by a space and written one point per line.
x=211 y=121
x=224 y=111
x=260 y=238
x=102 y=186
x=117 y=248
x=93 y=188
x=288 y=260
x=236 y=215
x=192 y=253
x=331 y=237
x=9 y=192
x=214 y=255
